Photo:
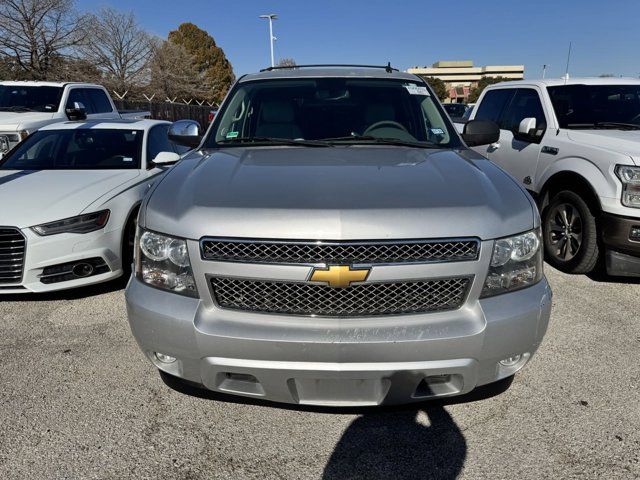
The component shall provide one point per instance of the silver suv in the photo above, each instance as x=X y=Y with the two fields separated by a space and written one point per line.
x=333 y=241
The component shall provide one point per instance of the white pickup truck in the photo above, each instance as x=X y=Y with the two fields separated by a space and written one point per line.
x=28 y=106
x=575 y=145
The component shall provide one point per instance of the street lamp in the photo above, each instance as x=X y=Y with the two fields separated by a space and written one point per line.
x=271 y=17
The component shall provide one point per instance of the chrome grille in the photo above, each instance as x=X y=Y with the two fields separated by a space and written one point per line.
x=398 y=251
x=365 y=299
x=12 y=248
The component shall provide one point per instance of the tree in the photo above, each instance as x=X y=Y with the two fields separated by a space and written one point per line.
x=173 y=73
x=482 y=84
x=439 y=87
x=208 y=59
x=119 y=48
x=287 y=62
x=35 y=32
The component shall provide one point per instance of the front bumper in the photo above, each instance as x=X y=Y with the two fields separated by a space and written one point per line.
x=623 y=251
x=339 y=362
x=42 y=252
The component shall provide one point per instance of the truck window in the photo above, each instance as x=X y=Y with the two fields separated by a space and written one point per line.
x=19 y=98
x=525 y=104
x=493 y=103
x=100 y=101
x=584 y=106
x=79 y=95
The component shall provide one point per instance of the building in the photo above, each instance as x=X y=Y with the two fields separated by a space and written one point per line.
x=461 y=77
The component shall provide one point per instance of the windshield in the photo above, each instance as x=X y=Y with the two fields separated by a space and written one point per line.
x=29 y=98
x=331 y=111
x=455 y=109
x=79 y=149
x=584 y=106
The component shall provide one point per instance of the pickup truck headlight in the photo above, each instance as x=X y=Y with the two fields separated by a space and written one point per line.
x=630 y=178
x=163 y=262
x=88 y=222
x=516 y=262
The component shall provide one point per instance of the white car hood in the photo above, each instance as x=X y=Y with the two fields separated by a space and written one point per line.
x=626 y=142
x=32 y=197
x=14 y=121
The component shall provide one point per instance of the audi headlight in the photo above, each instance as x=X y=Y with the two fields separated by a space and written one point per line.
x=163 y=262
x=516 y=262
x=88 y=222
x=630 y=178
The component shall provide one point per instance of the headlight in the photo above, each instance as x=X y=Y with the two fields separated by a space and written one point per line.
x=163 y=262
x=516 y=262
x=86 y=223
x=630 y=178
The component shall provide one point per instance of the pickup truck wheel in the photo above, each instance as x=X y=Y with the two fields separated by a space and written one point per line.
x=570 y=234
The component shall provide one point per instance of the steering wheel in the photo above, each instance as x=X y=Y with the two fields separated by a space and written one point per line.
x=383 y=123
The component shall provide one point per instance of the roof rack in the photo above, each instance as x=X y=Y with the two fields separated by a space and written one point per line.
x=388 y=68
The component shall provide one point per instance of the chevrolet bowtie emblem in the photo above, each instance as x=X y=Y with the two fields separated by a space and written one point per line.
x=339 y=276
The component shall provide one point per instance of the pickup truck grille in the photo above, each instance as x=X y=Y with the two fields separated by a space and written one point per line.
x=365 y=252
x=360 y=300
x=12 y=248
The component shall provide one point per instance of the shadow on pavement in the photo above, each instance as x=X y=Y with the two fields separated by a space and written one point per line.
x=410 y=444
x=71 y=294
x=419 y=440
x=602 y=277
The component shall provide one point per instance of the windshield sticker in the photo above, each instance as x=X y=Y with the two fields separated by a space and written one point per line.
x=437 y=131
x=127 y=159
x=233 y=134
x=417 y=90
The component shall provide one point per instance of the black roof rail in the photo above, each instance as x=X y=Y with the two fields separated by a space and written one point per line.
x=388 y=68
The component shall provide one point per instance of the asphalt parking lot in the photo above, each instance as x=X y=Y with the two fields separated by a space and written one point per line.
x=78 y=400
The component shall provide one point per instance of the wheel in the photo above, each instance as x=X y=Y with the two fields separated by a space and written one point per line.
x=128 y=243
x=570 y=234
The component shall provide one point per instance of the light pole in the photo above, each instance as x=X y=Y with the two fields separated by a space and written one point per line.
x=271 y=17
x=544 y=70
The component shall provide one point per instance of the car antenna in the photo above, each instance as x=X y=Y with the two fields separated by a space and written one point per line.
x=389 y=68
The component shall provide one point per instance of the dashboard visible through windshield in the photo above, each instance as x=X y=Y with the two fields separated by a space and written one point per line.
x=78 y=149
x=332 y=111
x=21 y=98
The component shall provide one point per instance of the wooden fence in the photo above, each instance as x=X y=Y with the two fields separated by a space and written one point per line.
x=170 y=111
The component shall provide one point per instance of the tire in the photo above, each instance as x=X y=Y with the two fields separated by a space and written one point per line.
x=570 y=234
x=128 y=238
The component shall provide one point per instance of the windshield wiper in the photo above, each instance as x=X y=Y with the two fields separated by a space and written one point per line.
x=17 y=108
x=612 y=125
x=277 y=141
x=381 y=140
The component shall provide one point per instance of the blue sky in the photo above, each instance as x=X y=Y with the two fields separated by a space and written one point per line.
x=605 y=34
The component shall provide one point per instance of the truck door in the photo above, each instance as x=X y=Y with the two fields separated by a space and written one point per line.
x=518 y=152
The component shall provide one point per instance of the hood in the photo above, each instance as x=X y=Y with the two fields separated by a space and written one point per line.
x=32 y=197
x=626 y=142
x=15 y=121
x=338 y=193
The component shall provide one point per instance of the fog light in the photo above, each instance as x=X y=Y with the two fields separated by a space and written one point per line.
x=510 y=361
x=634 y=235
x=165 y=358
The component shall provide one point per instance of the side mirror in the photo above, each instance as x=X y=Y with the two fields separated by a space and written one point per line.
x=480 y=132
x=166 y=157
x=527 y=131
x=185 y=132
x=526 y=125
x=76 y=111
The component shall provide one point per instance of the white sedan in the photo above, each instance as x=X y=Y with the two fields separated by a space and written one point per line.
x=69 y=196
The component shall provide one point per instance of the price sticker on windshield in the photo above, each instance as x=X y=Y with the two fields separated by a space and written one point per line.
x=417 y=90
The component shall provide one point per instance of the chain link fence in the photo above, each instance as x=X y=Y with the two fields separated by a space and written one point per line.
x=171 y=111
